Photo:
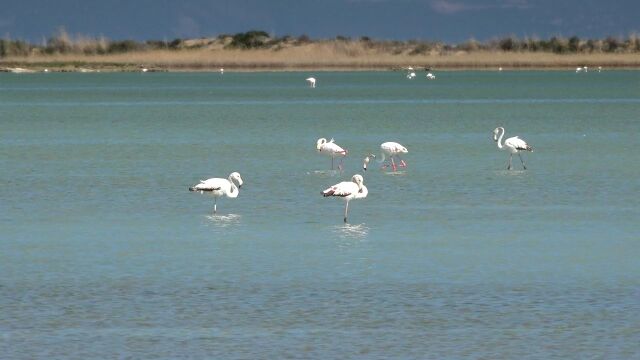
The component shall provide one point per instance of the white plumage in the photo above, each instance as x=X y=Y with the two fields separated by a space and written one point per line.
x=331 y=149
x=311 y=81
x=218 y=187
x=430 y=76
x=348 y=190
x=389 y=150
x=513 y=144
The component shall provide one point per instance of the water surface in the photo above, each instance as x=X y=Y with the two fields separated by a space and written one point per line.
x=105 y=254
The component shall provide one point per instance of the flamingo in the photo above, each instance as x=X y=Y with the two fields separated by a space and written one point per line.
x=311 y=81
x=513 y=144
x=388 y=149
x=331 y=149
x=411 y=75
x=578 y=69
x=221 y=71
x=430 y=76
x=219 y=187
x=348 y=190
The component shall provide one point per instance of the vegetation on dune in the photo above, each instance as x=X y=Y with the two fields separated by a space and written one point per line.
x=62 y=43
x=257 y=49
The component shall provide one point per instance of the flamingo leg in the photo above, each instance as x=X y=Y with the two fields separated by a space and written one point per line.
x=522 y=161
x=340 y=167
x=346 y=210
x=510 y=157
x=215 y=205
x=402 y=163
x=332 y=163
x=393 y=164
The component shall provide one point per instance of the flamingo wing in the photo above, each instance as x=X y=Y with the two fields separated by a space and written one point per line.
x=518 y=144
x=343 y=189
x=333 y=148
x=212 y=184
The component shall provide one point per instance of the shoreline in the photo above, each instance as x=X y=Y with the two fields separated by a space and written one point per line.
x=298 y=60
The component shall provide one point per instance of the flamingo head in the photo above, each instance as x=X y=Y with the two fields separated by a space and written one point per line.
x=366 y=161
x=358 y=179
x=403 y=150
x=319 y=143
x=235 y=178
x=496 y=131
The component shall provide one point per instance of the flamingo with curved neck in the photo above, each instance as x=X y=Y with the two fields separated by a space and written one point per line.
x=388 y=149
x=220 y=187
x=348 y=190
x=513 y=144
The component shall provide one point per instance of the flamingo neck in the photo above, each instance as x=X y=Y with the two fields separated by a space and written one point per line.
x=500 y=139
x=233 y=192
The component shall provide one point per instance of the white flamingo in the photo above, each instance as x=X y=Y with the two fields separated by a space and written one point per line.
x=411 y=75
x=219 y=187
x=388 y=149
x=430 y=76
x=221 y=71
x=311 y=81
x=513 y=144
x=578 y=69
x=331 y=149
x=348 y=190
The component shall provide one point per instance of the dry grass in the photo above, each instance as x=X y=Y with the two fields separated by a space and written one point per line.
x=335 y=55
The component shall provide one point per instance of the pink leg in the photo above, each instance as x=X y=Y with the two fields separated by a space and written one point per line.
x=393 y=164
x=402 y=163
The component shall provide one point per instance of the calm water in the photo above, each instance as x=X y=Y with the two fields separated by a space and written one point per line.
x=105 y=254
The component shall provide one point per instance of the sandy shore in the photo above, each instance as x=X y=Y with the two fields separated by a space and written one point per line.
x=313 y=58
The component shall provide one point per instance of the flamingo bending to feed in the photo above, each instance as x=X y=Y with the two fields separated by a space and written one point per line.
x=388 y=149
x=514 y=144
x=219 y=187
x=311 y=81
x=430 y=76
x=348 y=190
x=331 y=149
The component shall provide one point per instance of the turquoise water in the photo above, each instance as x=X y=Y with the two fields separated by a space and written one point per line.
x=104 y=253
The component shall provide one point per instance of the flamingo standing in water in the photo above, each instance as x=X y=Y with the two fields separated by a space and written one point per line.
x=513 y=144
x=331 y=149
x=348 y=190
x=311 y=81
x=219 y=187
x=388 y=149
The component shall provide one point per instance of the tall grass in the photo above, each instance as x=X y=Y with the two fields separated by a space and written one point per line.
x=256 y=50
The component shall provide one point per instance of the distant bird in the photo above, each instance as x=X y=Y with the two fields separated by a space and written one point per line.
x=388 y=149
x=599 y=68
x=513 y=144
x=500 y=68
x=311 y=81
x=144 y=69
x=331 y=149
x=221 y=71
x=411 y=75
x=578 y=69
x=430 y=76
x=348 y=190
x=219 y=187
